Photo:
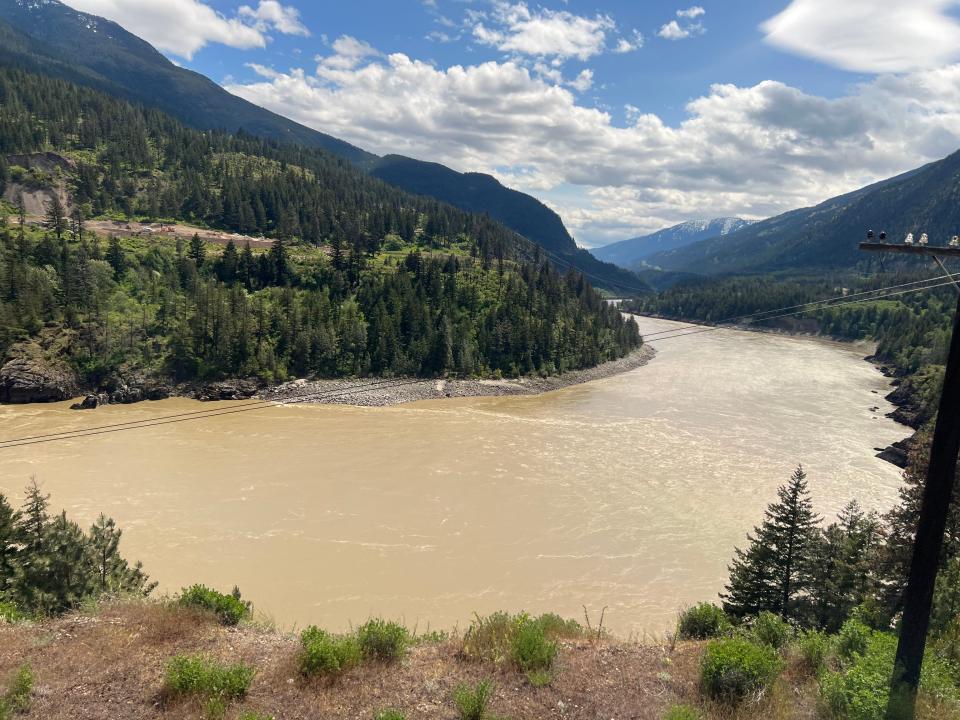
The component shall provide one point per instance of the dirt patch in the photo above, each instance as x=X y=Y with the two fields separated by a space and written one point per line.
x=124 y=228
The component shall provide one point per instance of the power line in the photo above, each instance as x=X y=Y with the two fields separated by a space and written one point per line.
x=326 y=395
x=807 y=306
x=797 y=312
x=197 y=415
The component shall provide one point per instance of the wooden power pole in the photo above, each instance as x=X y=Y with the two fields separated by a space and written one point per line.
x=934 y=510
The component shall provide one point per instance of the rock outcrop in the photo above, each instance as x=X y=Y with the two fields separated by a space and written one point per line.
x=31 y=375
x=228 y=390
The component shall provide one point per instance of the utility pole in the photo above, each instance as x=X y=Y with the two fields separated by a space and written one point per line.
x=934 y=509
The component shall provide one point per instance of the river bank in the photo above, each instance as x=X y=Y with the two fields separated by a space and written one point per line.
x=383 y=392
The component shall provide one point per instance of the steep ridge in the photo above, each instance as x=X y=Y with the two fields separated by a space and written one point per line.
x=47 y=36
x=825 y=237
x=631 y=253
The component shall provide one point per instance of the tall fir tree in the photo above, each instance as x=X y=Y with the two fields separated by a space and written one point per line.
x=773 y=573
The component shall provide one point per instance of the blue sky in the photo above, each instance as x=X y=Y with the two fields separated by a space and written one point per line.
x=623 y=116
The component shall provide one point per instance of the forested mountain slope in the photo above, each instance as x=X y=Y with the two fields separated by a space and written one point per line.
x=362 y=278
x=476 y=192
x=51 y=38
x=825 y=237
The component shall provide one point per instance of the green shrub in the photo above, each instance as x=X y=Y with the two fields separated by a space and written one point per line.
x=555 y=627
x=528 y=642
x=772 y=630
x=529 y=647
x=326 y=654
x=383 y=640
x=859 y=691
x=733 y=668
x=9 y=612
x=229 y=609
x=195 y=675
x=703 y=620
x=814 y=647
x=682 y=712
x=472 y=702
x=853 y=639
x=488 y=638
x=17 y=697
x=389 y=715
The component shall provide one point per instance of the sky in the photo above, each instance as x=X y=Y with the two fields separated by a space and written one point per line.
x=624 y=116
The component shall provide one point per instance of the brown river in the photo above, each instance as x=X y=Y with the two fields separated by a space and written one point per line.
x=628 y=492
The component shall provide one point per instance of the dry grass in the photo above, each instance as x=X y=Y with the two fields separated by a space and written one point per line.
x=109 y=665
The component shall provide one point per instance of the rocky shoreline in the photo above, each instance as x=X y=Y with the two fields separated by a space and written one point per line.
x=382 y=392
x=33 y=375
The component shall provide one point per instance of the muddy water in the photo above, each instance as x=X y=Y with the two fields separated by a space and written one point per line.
x=628 y=492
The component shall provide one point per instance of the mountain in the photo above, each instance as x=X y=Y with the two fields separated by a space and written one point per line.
x=825 y=237
x=49 y=37
x=55 y=39
x=631 y=253
x=480 y=193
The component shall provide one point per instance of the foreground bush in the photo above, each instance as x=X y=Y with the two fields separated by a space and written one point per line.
x=383 y=640
x=859 y=690
x=326 y=654
x=472 y=702
x=813 y=647
x=17 y=697
x=229 y=609
x=9 y=612
x=526 y=641
x=390 y=715
x=206 y=678
x=853 y=638
x=682 y=712
x=733 y=668
x=772 y=630
x=530 y=649
x=703 y=620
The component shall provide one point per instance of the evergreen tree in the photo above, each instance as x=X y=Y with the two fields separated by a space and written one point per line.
x=774 y=572
x=9 y=545
x=56 y=217
x=116 y=258
x=197 y=251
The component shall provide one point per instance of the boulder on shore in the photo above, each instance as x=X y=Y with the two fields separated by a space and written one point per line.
x=228 y=390
x=30 y=375
x=90 y=402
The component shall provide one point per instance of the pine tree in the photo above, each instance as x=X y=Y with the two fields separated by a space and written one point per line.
x=56 y=217
x=9 y=545
x=197 y=252
x=774 y=572
x=116 y=258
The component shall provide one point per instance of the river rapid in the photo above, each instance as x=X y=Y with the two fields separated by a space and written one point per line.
x=628 y=493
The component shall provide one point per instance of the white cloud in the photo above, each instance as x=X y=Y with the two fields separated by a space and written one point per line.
x=673 y=31
x=691 y=13
x=515 y=28
x=271 y=15
x=874 y=36
x=753 y=151
x=182 y=27
x=634 y=42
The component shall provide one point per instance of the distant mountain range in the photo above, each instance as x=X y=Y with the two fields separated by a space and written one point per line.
x=825 y=237
x=633 y=252
x=51 y=38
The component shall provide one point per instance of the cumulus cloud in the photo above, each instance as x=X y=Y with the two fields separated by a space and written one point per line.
x=691 y=12
x=673 y=31
x=754 y=151
x=271 y=15
x=515 y=28
x=685 y=27
x=182 y=27
x=874 y=36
